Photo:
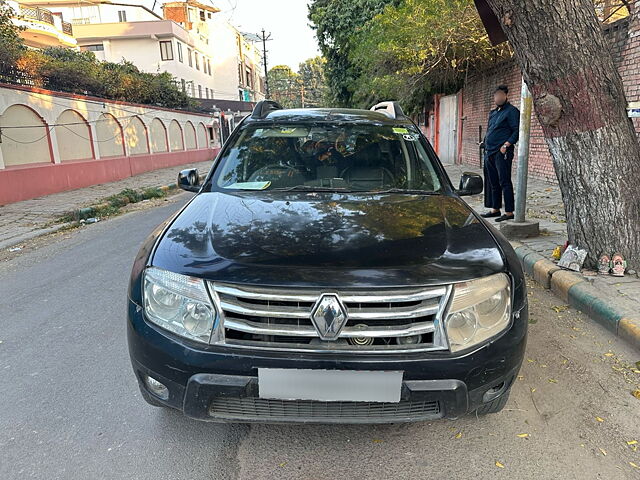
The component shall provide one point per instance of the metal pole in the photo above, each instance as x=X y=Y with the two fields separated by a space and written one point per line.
x=526 y=104
x=264 y=60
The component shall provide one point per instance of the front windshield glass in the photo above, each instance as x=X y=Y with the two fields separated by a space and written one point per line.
x=327 y=157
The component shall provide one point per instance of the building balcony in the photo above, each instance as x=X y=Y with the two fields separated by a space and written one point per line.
x=42 y=28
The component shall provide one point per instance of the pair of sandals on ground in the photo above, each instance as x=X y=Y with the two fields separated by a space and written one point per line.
x=499 y=217
x=614 y=265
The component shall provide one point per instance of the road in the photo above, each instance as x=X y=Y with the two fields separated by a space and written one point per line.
x=70 y=407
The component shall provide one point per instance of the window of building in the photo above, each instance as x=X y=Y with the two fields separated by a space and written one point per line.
x=241 y=94
x=209 y=66
x=189 y=57
x=249 y=75
x=240 y=74
x=202 y=17
x=199 y=91
x=206 y=92
x=122 y=15
x=209 y=15
x=179 y=48
x=93 y=48
x=166 y=50
x=184 y=85
x=195 y=55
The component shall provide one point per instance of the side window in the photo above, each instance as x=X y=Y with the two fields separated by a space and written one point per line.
x=179 y=48
x=166 y=50
x=122 y=15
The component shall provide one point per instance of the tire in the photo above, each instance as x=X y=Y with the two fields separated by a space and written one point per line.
x=494 y=406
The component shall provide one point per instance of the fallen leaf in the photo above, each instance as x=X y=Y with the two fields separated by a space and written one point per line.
x=633 y=465
x=603 y=452
x=553 y=380
x=520 y=377
x=522 y=435
x=530 y=360
x=608 y=354
x=282 y=464
x=636 y=393
x=533 y=390
x=499 y=465
x=599 y=419
x=559 y=308
x=632 y=442
x=458 y=435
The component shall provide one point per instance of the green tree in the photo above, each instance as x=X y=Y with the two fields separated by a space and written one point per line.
x=285 y=86
x=335 y=23
x=11 y=45
x=313 y=84
x=417 y=48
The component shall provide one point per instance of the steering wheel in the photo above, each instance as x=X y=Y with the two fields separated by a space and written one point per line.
x=255 y=176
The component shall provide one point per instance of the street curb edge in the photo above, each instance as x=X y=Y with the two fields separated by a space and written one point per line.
x=580 y=294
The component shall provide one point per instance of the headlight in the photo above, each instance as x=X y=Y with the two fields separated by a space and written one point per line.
x=179 y=304
x=479 y=310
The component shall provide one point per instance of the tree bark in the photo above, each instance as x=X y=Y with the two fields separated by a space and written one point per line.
x=579 y=100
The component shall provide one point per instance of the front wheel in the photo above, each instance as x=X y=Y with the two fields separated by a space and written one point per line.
x=494 y=406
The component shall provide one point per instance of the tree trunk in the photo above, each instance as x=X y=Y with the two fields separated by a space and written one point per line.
x=579 y=99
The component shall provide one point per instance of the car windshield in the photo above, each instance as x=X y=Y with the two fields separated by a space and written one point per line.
x=367 y=158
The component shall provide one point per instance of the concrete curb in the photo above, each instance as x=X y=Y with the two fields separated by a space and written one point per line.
x=574 y=289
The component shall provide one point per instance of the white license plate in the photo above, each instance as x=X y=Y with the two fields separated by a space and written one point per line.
x=329 y=385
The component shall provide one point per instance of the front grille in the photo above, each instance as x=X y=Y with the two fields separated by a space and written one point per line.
x=252 y=408
x=277 y=318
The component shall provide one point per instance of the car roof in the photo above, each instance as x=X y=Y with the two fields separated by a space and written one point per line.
x=329 y=115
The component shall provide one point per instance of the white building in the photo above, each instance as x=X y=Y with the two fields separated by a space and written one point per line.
x=236 y=61
x=41 y=28
x=208 y=57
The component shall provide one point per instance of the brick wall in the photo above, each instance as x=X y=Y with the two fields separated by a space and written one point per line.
x=629 y=65
x=478 y=97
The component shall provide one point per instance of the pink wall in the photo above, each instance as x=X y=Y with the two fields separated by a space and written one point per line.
x=35 y=180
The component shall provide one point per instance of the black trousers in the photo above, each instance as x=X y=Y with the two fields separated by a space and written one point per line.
x=497 y=174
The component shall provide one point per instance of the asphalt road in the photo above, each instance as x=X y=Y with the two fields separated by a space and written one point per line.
x=70 y=407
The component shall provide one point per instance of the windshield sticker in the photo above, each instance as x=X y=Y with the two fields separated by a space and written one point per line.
x=410 y=138
x=250 y=185
x=400 y=130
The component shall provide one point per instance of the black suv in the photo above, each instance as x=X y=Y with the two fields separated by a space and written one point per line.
x=327 y=271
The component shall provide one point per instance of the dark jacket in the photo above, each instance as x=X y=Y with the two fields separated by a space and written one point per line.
x=503 y=126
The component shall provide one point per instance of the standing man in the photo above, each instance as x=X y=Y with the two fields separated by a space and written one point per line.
x=502 y=134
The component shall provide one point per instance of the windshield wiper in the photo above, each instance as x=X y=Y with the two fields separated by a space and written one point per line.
x=408 y=191
x=311 y=188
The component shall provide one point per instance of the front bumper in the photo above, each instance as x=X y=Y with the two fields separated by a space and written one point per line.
x=220 y=383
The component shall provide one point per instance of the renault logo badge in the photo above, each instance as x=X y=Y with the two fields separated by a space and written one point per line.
x=328 y=316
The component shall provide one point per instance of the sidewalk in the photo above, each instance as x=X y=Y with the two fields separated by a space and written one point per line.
x=612 y=301
x=22 y=221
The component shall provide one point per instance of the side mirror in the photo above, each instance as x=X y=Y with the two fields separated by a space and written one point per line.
x=470 y=184
x=189 y=180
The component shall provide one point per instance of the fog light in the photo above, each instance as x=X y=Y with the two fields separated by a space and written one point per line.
x=157 y=388
x=411 y=340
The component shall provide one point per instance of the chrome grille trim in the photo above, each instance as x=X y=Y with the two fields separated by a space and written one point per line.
x=347 y=332
x=402 y=313
x=276 y=318
x=391 y=295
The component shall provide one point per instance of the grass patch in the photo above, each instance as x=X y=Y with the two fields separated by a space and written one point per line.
x=112 y=204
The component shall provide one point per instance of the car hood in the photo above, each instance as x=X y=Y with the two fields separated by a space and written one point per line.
x=328 y=239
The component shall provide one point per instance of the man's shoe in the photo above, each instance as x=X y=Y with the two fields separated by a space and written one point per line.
x=502 y=218
x=490 y=214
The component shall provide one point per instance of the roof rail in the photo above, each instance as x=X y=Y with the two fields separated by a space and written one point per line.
x=390 y=109
x=263 y=107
